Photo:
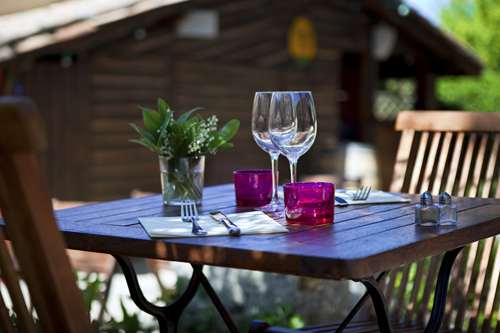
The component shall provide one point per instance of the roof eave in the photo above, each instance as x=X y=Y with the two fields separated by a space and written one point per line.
x=460 y=59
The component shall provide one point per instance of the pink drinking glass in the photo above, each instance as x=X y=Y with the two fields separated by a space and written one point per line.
x=254 y=188
x=309 y=203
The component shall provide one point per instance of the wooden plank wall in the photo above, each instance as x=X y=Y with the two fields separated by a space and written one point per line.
x=116 y=166
x=118 y=87
x=222 y=75
x=228 y=92
x=60 y=95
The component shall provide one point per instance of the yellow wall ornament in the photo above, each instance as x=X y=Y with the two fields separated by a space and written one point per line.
x=302 y=40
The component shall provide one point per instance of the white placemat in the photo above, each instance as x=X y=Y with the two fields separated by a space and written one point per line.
x=376 y=197
x=249 y=223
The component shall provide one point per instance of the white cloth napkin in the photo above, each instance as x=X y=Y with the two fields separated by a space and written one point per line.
x=249 y=223
x=376 y=197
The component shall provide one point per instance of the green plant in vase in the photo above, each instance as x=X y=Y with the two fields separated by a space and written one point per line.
x=181 y=145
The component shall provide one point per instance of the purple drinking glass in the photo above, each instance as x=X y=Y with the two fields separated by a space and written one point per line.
x=309 y=203
x=254 y=188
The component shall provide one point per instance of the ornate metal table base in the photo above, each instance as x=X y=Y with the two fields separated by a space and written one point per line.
x=378 y=299
x=168 y=316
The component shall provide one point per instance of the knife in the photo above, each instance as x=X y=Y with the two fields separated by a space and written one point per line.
x=342 y=202
x=219 y=216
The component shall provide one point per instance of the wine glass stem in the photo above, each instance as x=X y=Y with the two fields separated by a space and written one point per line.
x=293 y=171
x=274 y=168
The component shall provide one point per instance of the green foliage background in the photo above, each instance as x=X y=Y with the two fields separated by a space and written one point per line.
x=477 y=24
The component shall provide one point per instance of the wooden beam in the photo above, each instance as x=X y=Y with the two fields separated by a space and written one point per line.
x=425 y=84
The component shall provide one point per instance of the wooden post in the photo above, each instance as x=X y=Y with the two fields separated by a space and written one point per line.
x=368 y=86
x=359 y=81
x=425 y=84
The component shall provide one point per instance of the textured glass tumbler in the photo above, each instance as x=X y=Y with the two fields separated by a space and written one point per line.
x=254 y=188
x=309 y=203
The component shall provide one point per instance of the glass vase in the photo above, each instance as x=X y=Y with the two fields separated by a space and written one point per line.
x=182 y=179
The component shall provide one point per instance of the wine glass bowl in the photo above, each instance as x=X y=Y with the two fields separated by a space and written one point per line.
x=260 y=122
x=261 y=135
x=292 y=125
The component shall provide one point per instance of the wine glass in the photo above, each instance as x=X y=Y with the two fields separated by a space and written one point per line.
x=292 y=125
x=260 y=132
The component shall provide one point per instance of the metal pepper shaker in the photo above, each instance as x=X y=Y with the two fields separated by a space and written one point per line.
x=447 y=210
x=426 y=213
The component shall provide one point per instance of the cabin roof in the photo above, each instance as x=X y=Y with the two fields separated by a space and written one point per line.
x=52 y=27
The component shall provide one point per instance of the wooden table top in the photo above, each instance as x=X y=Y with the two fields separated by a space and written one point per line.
x=364 y=239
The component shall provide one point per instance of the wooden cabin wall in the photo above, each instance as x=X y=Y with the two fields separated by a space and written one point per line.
x=227 y=91
x=117 y=88
x=60 y=94
x=89 y=106
x=116 y=166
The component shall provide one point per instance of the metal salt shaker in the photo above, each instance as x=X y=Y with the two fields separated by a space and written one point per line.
x=447 y=210
x=426 y=213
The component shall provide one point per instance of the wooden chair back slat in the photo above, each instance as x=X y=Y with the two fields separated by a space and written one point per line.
x=447 y=121
x=484 y=293
x=11 y=280
x=391 y=281
x=417 y=168
x=30 y=225
x=492 y=289
x=431 y=161
x=478 y=167
x=399 y=305
x=497 y=194
x=454 y=289
x=402 y=160
x=428 y=288
x=490 y=170
x=455 y=161
x=417 y=283
x=443 y=157
x=5 y=321
x=456 y=152
x=466 y=165
x=473 y=311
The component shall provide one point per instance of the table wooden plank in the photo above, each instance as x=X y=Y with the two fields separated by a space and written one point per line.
x=363 y=240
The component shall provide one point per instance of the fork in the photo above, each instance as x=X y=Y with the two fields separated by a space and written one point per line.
x=189 y=213
x=362 y=193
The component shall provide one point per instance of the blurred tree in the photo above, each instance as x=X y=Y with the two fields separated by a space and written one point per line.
x=476 y=23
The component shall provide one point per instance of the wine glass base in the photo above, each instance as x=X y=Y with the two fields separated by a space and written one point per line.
x=273 y=206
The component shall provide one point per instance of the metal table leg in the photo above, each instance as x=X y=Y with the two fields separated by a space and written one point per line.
x=378 y=299
x=356 y=307
x=441 y=291
x=168 y=316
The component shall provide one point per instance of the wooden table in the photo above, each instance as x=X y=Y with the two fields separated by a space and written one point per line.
x=364 y=241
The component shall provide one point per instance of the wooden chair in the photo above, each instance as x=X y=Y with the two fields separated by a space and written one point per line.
x=457 y=152
x=37 y=244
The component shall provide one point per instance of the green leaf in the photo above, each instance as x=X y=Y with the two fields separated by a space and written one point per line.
x=229 y=130
x=164 y=110
x=152 y=121
x=226 y=145
x=185 y=116
x=162 y=105
x=148 y=145
x=143 y=108
x=143 y=133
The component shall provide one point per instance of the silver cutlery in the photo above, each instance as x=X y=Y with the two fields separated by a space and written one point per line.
x=218 y=216
x=189 y=213
x=341 y=202
x=362 y=193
